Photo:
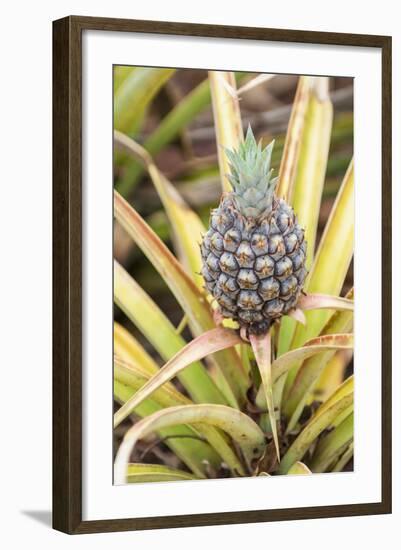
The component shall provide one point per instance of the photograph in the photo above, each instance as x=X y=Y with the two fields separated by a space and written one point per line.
x=233 y=280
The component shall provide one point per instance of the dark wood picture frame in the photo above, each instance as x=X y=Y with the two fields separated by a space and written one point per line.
x=67 y=274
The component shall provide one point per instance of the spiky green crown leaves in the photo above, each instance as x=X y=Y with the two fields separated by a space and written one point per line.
x=251 y=176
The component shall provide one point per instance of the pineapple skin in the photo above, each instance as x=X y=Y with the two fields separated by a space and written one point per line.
x=254 y=267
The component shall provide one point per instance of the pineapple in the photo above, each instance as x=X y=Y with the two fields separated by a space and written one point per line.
x=254 y=252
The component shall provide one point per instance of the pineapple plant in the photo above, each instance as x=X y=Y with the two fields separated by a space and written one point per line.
x=254 y=251
x=263 y=387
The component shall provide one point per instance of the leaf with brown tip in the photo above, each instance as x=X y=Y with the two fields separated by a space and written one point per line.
x=311 y=348
x=261 y=346
x=208 y=343
x=324 y=301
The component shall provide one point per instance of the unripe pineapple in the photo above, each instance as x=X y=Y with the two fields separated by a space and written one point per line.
x=254 y=251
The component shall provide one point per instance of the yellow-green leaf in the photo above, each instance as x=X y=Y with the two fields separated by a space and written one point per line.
x=145 y=473
x=312 y=161
x=186 y=225
x=344 y=459
x=127 y=347
x=292 y=145
x=227 y=118
x=332 y=445
x=344 y=390
x=303 y=167
x=312 y=430
x=333 y=257
x=299 y=469
x=169 y=128
x=332 y=375
x=241 y=428
x=131 y=374
x=135 y=93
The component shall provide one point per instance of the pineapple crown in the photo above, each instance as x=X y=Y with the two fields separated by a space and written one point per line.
x=251 y=176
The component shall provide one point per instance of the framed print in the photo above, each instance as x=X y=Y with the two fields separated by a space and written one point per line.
x=222 y=275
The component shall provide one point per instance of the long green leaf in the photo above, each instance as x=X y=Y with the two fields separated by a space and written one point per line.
x=312 y=162
x=192 y=301
x=169 y=128
x=332 y=446
x=158 y=330
x=136 y=377
x=333 y=374
x=145 y=473
x=335 y=249
x=312 y=430
x=244 y=431
x=303 y=166
x=127 y=347
x=134 y=95
x=344 y=459
x=120 y=73
x=339 y=419
x=344 y=390
x=292 y=145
